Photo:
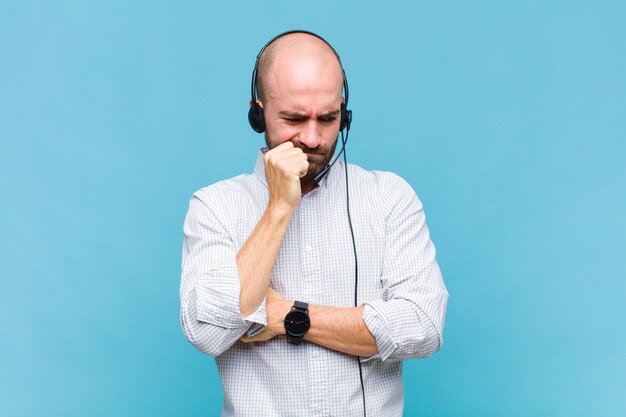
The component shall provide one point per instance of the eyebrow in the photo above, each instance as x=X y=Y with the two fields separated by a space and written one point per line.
x=299 y=115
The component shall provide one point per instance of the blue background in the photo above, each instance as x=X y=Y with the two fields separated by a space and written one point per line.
x=507 y=119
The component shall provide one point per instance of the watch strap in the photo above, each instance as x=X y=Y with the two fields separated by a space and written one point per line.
x=300 y=305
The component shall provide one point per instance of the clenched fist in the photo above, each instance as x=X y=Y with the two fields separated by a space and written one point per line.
x=284 y=166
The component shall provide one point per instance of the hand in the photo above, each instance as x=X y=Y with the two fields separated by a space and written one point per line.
x=276 y=308
x=284 y=166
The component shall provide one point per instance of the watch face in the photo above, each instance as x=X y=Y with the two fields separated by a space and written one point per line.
x=297 y=323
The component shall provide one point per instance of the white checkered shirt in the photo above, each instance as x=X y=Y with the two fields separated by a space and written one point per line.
x=400 y=285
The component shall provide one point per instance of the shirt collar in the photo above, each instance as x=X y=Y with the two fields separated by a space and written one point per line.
x=259 y=171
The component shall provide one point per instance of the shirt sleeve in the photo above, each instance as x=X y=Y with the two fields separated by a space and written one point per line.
x=407 y=322
x=210 y=286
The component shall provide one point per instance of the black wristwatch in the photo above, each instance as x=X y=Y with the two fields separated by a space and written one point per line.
x=297 y=322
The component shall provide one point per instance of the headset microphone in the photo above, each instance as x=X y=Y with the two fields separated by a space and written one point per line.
x=327 y=168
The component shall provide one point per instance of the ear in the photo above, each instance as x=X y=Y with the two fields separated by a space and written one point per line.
x=257 y=102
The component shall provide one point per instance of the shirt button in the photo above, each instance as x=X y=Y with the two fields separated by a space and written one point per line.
x=308 y=248
x=316 y=354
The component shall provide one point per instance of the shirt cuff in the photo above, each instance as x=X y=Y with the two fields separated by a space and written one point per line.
x=217 y=300
x=380 y=329
x=257 y=320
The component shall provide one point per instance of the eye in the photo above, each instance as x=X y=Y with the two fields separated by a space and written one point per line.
x=293 y=120
x=328 y=119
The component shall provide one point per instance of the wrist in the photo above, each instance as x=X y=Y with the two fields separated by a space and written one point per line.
x=285 y=308
x=277 y=321
x=279 y=212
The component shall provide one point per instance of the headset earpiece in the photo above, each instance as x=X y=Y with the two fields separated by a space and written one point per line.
x=346 y=117
x=256 y=118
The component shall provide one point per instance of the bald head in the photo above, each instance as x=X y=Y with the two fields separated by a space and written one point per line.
x=293 y=55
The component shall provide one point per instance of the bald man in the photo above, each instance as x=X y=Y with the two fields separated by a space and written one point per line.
x=268 y=274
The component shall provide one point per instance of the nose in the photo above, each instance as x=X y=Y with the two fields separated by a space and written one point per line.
x=310 y=135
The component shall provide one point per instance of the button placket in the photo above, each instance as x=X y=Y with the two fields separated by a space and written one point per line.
x=308 y=223
x=307 y=251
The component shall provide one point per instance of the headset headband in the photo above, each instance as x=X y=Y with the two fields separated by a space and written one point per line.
x=255 y=114
x=258 y=58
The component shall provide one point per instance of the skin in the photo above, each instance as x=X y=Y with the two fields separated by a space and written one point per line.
x=302 y=114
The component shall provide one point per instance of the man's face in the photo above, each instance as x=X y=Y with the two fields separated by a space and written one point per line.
x=303 y=106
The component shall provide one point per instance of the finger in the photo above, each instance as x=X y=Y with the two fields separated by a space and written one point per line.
x=291 y=163
x=286 y=153
x=285 y=145
x=304 y=170
x=292 y=156
x=296 y=159
x=285 y=159
x=278 y=149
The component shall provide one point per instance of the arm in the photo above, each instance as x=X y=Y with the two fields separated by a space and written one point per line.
x=337 y=328
x=223 y=290
x=209 y=291
x=407 y=322
x=341 y=329
x=257 y=257
x=284 y=165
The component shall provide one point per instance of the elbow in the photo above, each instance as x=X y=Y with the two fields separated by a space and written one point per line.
x=204 y=344
x=427 y=337
x=423 y=342
x=209 y=339
x=418 y=348
x=428 y=346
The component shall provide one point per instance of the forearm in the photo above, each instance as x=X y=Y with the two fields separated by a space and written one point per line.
x=256 y=259
x=341 y=329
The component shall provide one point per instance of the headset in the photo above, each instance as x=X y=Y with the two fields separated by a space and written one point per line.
x=257 y=122
x=255 y=114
